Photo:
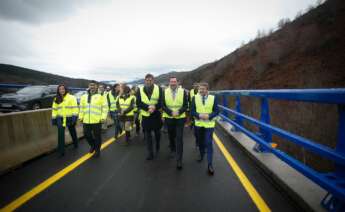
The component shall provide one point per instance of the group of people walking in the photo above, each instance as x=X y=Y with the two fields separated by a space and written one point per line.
x=147 y=106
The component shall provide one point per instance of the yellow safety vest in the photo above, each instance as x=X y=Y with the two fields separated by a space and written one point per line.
x=112 y=101
x=66 y=109
x=191 y=94
x=146 y=100
x=95 y=111
x=172 y=104
x=204 y=108
x=124 y=104
x=135 y=103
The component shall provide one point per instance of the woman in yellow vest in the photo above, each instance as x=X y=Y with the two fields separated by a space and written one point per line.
x=136 y=111
x=65 y=113
x=126 y=106
x=204 y=109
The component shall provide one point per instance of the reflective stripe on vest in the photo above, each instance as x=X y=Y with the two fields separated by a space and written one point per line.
x=146 y=100
x=112 y=101
x=124 y=104
x=67 y=108
x=174 y=105
x=93 y=112
x=205 y=109
x=191 y=94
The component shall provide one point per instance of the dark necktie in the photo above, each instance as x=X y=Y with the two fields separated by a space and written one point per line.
x=203 y=100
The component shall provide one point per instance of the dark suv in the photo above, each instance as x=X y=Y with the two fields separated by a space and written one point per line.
x=28 y=98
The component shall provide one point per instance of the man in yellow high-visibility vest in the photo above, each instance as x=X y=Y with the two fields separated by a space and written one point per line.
x=112 y=98
x=204 y=109
x=93 y=112
x=175 y=103
x=192 y=93
x=104 y=94
x=149 y=102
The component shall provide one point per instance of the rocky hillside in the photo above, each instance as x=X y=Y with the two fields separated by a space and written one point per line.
x=305 y=53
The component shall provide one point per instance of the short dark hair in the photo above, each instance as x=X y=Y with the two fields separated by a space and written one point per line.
x=203 y=84
x=149 y=76
x=171 y=77
x=115 y=85
x=93 y=81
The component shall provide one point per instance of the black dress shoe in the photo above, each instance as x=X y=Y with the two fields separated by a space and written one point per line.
x=150 y=157
x=210 y=170
x=91 y=150
x=179 y=165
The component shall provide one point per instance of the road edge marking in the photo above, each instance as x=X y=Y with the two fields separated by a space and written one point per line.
x=51 y=180
x=254 y=195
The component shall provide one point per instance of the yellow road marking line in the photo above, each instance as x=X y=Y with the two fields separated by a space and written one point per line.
x=51 y=180
x=257 y=199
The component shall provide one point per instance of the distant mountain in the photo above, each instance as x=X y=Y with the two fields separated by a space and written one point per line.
x=162 y=79
x=20 y=75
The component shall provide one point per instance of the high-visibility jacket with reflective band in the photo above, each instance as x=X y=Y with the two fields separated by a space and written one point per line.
x=174 y=104
x=135 y=103
x=95 y=111
x=146 y=100
x=67 y=108
x=112 y=101
x=206 y=109
x=125 y=103
x=191 y=94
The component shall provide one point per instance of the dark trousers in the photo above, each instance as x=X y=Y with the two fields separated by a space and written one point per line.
x=175 y=131
x=117 y=123
x=192 y=127
x=92 y=134
x=137 y=123
x=204 y=136
x=149 y=140
x=61 y=137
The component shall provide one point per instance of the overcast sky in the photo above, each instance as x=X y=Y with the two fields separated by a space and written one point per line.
x=124 y=39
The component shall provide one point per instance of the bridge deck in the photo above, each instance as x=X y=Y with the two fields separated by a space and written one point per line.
x=122 y=180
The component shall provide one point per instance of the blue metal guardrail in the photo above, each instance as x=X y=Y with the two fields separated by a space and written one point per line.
x=333 y=182
x=8 y=85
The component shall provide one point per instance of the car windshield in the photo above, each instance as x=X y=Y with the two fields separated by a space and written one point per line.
x=31 y=90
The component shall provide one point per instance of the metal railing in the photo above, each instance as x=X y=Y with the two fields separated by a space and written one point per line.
x=333 y=182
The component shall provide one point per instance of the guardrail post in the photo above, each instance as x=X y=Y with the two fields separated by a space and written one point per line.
x=264 y=117
x=238 y=119
x=225 y=104
x=331 y=202
x=340 y=148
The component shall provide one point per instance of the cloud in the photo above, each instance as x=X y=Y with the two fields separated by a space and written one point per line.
x=128 y=38
x=38 y=11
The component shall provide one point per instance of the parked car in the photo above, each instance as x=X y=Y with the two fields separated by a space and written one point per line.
x=28 y=98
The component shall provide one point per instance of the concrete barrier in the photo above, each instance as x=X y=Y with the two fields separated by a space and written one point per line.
x=27 y=135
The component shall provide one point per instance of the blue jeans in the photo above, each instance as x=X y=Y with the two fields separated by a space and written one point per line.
x=204 y=137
